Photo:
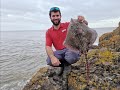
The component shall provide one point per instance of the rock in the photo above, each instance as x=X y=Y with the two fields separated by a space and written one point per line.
x=54 y=71
x=102 y=76
x=111 y=40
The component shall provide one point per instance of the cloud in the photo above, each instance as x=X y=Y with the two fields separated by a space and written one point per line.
x=113 y=22
x=19 y=14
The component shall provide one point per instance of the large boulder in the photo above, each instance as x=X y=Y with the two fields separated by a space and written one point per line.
x=104 y=74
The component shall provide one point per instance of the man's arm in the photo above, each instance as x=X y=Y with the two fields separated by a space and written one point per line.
x=49 y=51
x=55 y=61
x=48 y=47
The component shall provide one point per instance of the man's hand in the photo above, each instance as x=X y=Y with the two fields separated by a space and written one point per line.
x=81 y=18
x=55 y=61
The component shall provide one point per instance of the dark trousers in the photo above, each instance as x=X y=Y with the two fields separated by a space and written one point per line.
x=65 y=56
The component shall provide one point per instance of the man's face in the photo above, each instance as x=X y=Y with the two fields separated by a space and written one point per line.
x=55 y=18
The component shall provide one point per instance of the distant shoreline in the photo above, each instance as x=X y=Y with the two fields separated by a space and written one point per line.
x=45 y=30
x=21 y=30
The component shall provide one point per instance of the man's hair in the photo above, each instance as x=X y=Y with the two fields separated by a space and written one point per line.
x=54 y=9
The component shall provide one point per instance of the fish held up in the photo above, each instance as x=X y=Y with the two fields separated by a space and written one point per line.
x=79 y=36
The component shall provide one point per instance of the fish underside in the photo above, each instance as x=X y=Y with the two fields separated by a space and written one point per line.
x=79 y=37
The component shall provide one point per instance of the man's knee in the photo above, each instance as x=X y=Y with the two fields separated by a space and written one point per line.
x=72 y=60
x=72 y=57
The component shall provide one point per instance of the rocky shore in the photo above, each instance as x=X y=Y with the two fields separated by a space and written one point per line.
x=104 y=69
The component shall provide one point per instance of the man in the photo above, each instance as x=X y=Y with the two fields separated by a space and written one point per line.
x=61 y=59
x=55 y=36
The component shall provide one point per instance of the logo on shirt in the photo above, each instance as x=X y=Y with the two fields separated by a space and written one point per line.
x=63 y=30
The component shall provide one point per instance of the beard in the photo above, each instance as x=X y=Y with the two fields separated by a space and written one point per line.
x=56 y=23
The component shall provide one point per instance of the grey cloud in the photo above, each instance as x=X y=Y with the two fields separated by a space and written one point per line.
x=36 y=11
x=94 y=10
x=19 y=5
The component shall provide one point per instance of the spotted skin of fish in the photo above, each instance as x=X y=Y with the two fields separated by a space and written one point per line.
x=79 y=37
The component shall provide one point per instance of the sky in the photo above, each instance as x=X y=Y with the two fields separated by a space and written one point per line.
x=34 y=14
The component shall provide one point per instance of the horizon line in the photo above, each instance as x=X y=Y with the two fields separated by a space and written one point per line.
x=45 y=30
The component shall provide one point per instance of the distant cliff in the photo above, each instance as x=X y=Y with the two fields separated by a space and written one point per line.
x=104 y=69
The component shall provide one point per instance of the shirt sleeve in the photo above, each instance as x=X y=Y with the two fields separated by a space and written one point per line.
x=67 y=23
x=48 y=39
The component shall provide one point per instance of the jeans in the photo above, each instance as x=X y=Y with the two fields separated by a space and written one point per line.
x=65 y=55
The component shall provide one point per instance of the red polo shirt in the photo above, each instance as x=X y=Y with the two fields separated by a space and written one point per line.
x=56 y=37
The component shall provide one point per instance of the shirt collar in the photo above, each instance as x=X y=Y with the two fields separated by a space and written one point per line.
x=61 y=25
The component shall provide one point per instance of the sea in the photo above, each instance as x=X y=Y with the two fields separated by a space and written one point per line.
x=22 y=54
